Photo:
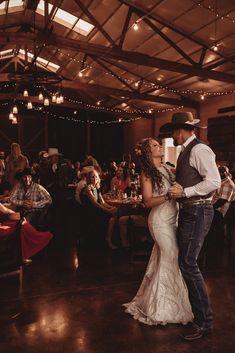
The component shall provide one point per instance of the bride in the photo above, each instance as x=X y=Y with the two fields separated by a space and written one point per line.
x=162 y=297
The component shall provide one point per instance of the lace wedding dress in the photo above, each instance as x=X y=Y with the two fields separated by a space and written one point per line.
x=162 y=297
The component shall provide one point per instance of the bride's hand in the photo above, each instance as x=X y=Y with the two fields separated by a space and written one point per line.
x=176 y=190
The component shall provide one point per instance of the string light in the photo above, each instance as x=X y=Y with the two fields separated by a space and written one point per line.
x=211 y=9
x=127 y=119
x=157 y=85
x=151 y=85
x=15 y=110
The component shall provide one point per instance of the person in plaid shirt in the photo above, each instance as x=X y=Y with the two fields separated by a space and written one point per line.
x=226 y=193
x=30 y=199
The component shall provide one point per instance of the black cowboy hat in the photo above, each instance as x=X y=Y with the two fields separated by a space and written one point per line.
x=180 y=120
x=21 y=173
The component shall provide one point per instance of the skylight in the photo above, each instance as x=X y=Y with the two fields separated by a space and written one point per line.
x=67 y=19
x=42 y=62
x=6 y=53
x=13 y=6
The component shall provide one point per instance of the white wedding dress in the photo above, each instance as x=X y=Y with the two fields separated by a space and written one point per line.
x=162 y=297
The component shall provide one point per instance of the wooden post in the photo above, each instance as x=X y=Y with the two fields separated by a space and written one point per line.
x=20 y=131
x=46 y=132
x=88 y=134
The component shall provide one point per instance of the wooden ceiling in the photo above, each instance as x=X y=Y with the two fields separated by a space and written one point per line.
x=168 y=62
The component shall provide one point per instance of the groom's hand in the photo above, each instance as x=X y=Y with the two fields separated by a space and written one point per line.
x=176 y=190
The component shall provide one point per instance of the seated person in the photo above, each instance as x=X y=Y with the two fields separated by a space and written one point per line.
x=99 y=212
x=226 y=193
x=221 y=201
x=137 y=218
x=121 y=181
x=82 y=182
x=30 y=199
x=32 y=241
x=5 y=188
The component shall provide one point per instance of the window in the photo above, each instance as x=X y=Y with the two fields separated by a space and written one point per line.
x=13 y=6
x=67 y=19
x=42 y=62
x=6 y=53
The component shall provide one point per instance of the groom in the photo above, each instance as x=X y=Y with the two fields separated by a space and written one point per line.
x=197 y=177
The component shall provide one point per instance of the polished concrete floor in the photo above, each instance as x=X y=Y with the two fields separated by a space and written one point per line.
x=73 y=303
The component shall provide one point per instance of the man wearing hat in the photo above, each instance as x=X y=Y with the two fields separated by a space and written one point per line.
x=197 y=177
x=30 y=198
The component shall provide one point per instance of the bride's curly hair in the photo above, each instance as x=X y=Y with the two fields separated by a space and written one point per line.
x=143 y=151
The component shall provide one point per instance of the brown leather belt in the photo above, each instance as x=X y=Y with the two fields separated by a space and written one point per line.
x=195 y=202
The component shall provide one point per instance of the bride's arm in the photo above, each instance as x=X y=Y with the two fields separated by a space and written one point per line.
x=147 y=193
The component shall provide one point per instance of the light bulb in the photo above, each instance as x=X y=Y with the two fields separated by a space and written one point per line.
x=29 y=105
x=80 y=74
x=215 y=47
x=135 y=27
x=40 y=97
x=25 y=93
x=46 y=101
x=58 y=100
x=11 y=116
x=15 y=110
x=202 y=97
x=61 y=99
x=53 y=98
x=14 y=121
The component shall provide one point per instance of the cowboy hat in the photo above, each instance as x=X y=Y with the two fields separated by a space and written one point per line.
x=180 y=120
x=53 y=152
x=21 y=173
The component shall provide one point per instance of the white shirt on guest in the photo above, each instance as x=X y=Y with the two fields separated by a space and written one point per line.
x=202 y=158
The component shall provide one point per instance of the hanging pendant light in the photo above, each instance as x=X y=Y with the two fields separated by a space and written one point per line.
x=61 y=99
x=25 y=93
x=58 y=100
x=11 y=116
x=29 y=105
x=15 y=110
x=46 y=102
x=53 y=98
x=40 y=96
x=14 y=120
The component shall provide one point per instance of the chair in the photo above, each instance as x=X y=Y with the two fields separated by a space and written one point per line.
x=11 y=257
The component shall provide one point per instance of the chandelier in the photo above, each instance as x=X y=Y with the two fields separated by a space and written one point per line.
x=30 y=77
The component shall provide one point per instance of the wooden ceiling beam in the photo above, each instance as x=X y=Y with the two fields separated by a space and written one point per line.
x=125 y=28
x=34 y=99
x=114 y=53
x=87 y=87
x=128 y=94
x=95 y=22
x=168 y=40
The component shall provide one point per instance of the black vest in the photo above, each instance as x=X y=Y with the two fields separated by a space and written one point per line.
x=185 y=174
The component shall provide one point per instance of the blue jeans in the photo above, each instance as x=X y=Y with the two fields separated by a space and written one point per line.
x=194 y=224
